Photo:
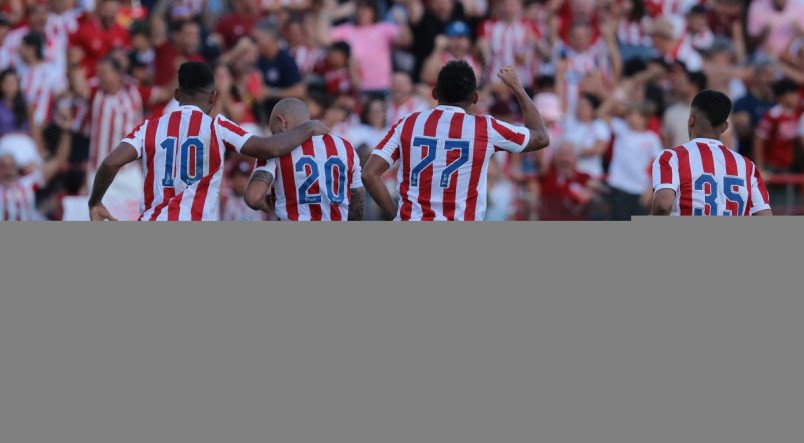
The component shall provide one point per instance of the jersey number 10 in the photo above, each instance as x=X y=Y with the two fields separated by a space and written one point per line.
x=191 y=171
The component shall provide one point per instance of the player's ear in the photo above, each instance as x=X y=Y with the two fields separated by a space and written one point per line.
x=475 y=98
x=176 y=94
x=433 y=93
x=213 y=97
x=691 y=121
x=724 y=127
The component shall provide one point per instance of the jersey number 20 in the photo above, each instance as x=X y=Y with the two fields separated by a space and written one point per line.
x=333 y=167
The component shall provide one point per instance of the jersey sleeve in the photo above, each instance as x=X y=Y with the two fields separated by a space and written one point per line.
x=507 y=137
x=759 y=194
x=136 y=138
x=268 y=166
x=388 y=147
x=357 y=171
x=665 y=171
x=232 y=135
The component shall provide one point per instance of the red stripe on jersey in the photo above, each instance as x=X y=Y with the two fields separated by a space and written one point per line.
x=234 y=128
x=332 y=151
x=666 y=172
x=508 y=134
x=289 y=186
x=315 y=208
x=455 y=132
x=731 y=170
x=685 y=180
x=197 y=210
x=749 y=173
x=134 y=131
x=192 y=131
x=174 y=208
x=404 y=148
x=478 y=157
x=762 y=190
x=350 y=165
x=426 y=175
x=158 y=209
x=388 y=135
x=150 y=152
x=708 y=164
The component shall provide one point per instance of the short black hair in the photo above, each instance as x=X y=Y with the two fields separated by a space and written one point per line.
x=196 y=78
x=456 y=83
x=714 y=105
x=37 y=41
x=593 y=100
x=784 y=86
x=698 y=79
x=114 y=63
x=342 y=47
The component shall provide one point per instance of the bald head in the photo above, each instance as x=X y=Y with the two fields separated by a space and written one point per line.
x=287 y=114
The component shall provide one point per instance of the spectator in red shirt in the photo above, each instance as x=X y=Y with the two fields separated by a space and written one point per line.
x=185 y=45
x=566 y=192
x=340 y=76
x=775 y=136
x=97 y=35
x=239 y=23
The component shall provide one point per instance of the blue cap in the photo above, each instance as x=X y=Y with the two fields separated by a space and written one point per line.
x=457 y=29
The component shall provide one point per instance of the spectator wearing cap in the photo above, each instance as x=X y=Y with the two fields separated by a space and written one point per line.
x=428 y=20
x=371 y=43
x=455 y=44
x=773 y=24
x=233 y=207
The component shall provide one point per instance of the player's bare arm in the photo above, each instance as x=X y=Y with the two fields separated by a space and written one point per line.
x=663 y=201
x=372 y=180
x=258 y=189
x=266 y=148
x=122 y=155
x=539 y=137
x=357 y=203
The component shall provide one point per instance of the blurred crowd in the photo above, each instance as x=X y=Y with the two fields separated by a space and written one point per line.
x=613 y=79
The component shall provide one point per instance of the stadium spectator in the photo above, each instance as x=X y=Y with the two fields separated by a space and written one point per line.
x=173 y=48
x=97 y=34
x=280 y=74
x=14 y=117
x=775 y=135
x=403 y=100
x=233 y=207
x=773 y=24
x=428 y=20
x=455 y=44
x=751 y=107
x=684 y=86
x=566 y=191
x=41 y=83
x=240 y=22
x=633 y=152
x=371 y=43
x=588 y=135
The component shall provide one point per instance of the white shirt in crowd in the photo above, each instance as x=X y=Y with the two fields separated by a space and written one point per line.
x=632 y=156
x=585 y=136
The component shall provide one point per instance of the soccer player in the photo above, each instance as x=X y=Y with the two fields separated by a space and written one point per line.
x=182 y=152
x=703 y=177
x=319 y=180
x=444 y=152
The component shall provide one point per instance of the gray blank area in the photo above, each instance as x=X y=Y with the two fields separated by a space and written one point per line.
x=649 y=331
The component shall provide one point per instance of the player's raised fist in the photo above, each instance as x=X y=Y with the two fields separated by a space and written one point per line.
x=318 y=128
x=509 y=76
x=100 y=213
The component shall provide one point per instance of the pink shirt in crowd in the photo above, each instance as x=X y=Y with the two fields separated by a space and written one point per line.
x=371 y=47
x=782 y=24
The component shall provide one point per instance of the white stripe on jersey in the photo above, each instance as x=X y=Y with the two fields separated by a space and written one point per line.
x=710 y=179
x=294 y=180
x=179 y=185
x=112 y=116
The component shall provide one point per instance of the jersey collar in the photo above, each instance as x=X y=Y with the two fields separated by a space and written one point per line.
x=706 y=140
x=450 y=108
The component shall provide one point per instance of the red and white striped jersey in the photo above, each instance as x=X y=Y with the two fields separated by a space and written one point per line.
x=395 y=112
x=18 y=201
x=182 y=154
x=444 y=157
x=511 y=44
x=40 y=85
x=313 y=182
x=710 y=179
x=111 y=116
x=306 y=57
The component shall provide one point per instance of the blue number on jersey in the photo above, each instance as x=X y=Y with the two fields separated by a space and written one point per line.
x=169 y=145
x=732 y=185
x=330 y=166
x=450 y=170
x=304 y=188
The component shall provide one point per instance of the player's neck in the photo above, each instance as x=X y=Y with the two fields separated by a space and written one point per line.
x=465 y=107
x=705 y=134
x=194 y=104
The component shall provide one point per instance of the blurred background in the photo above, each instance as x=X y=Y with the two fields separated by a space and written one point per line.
x=613 y=79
